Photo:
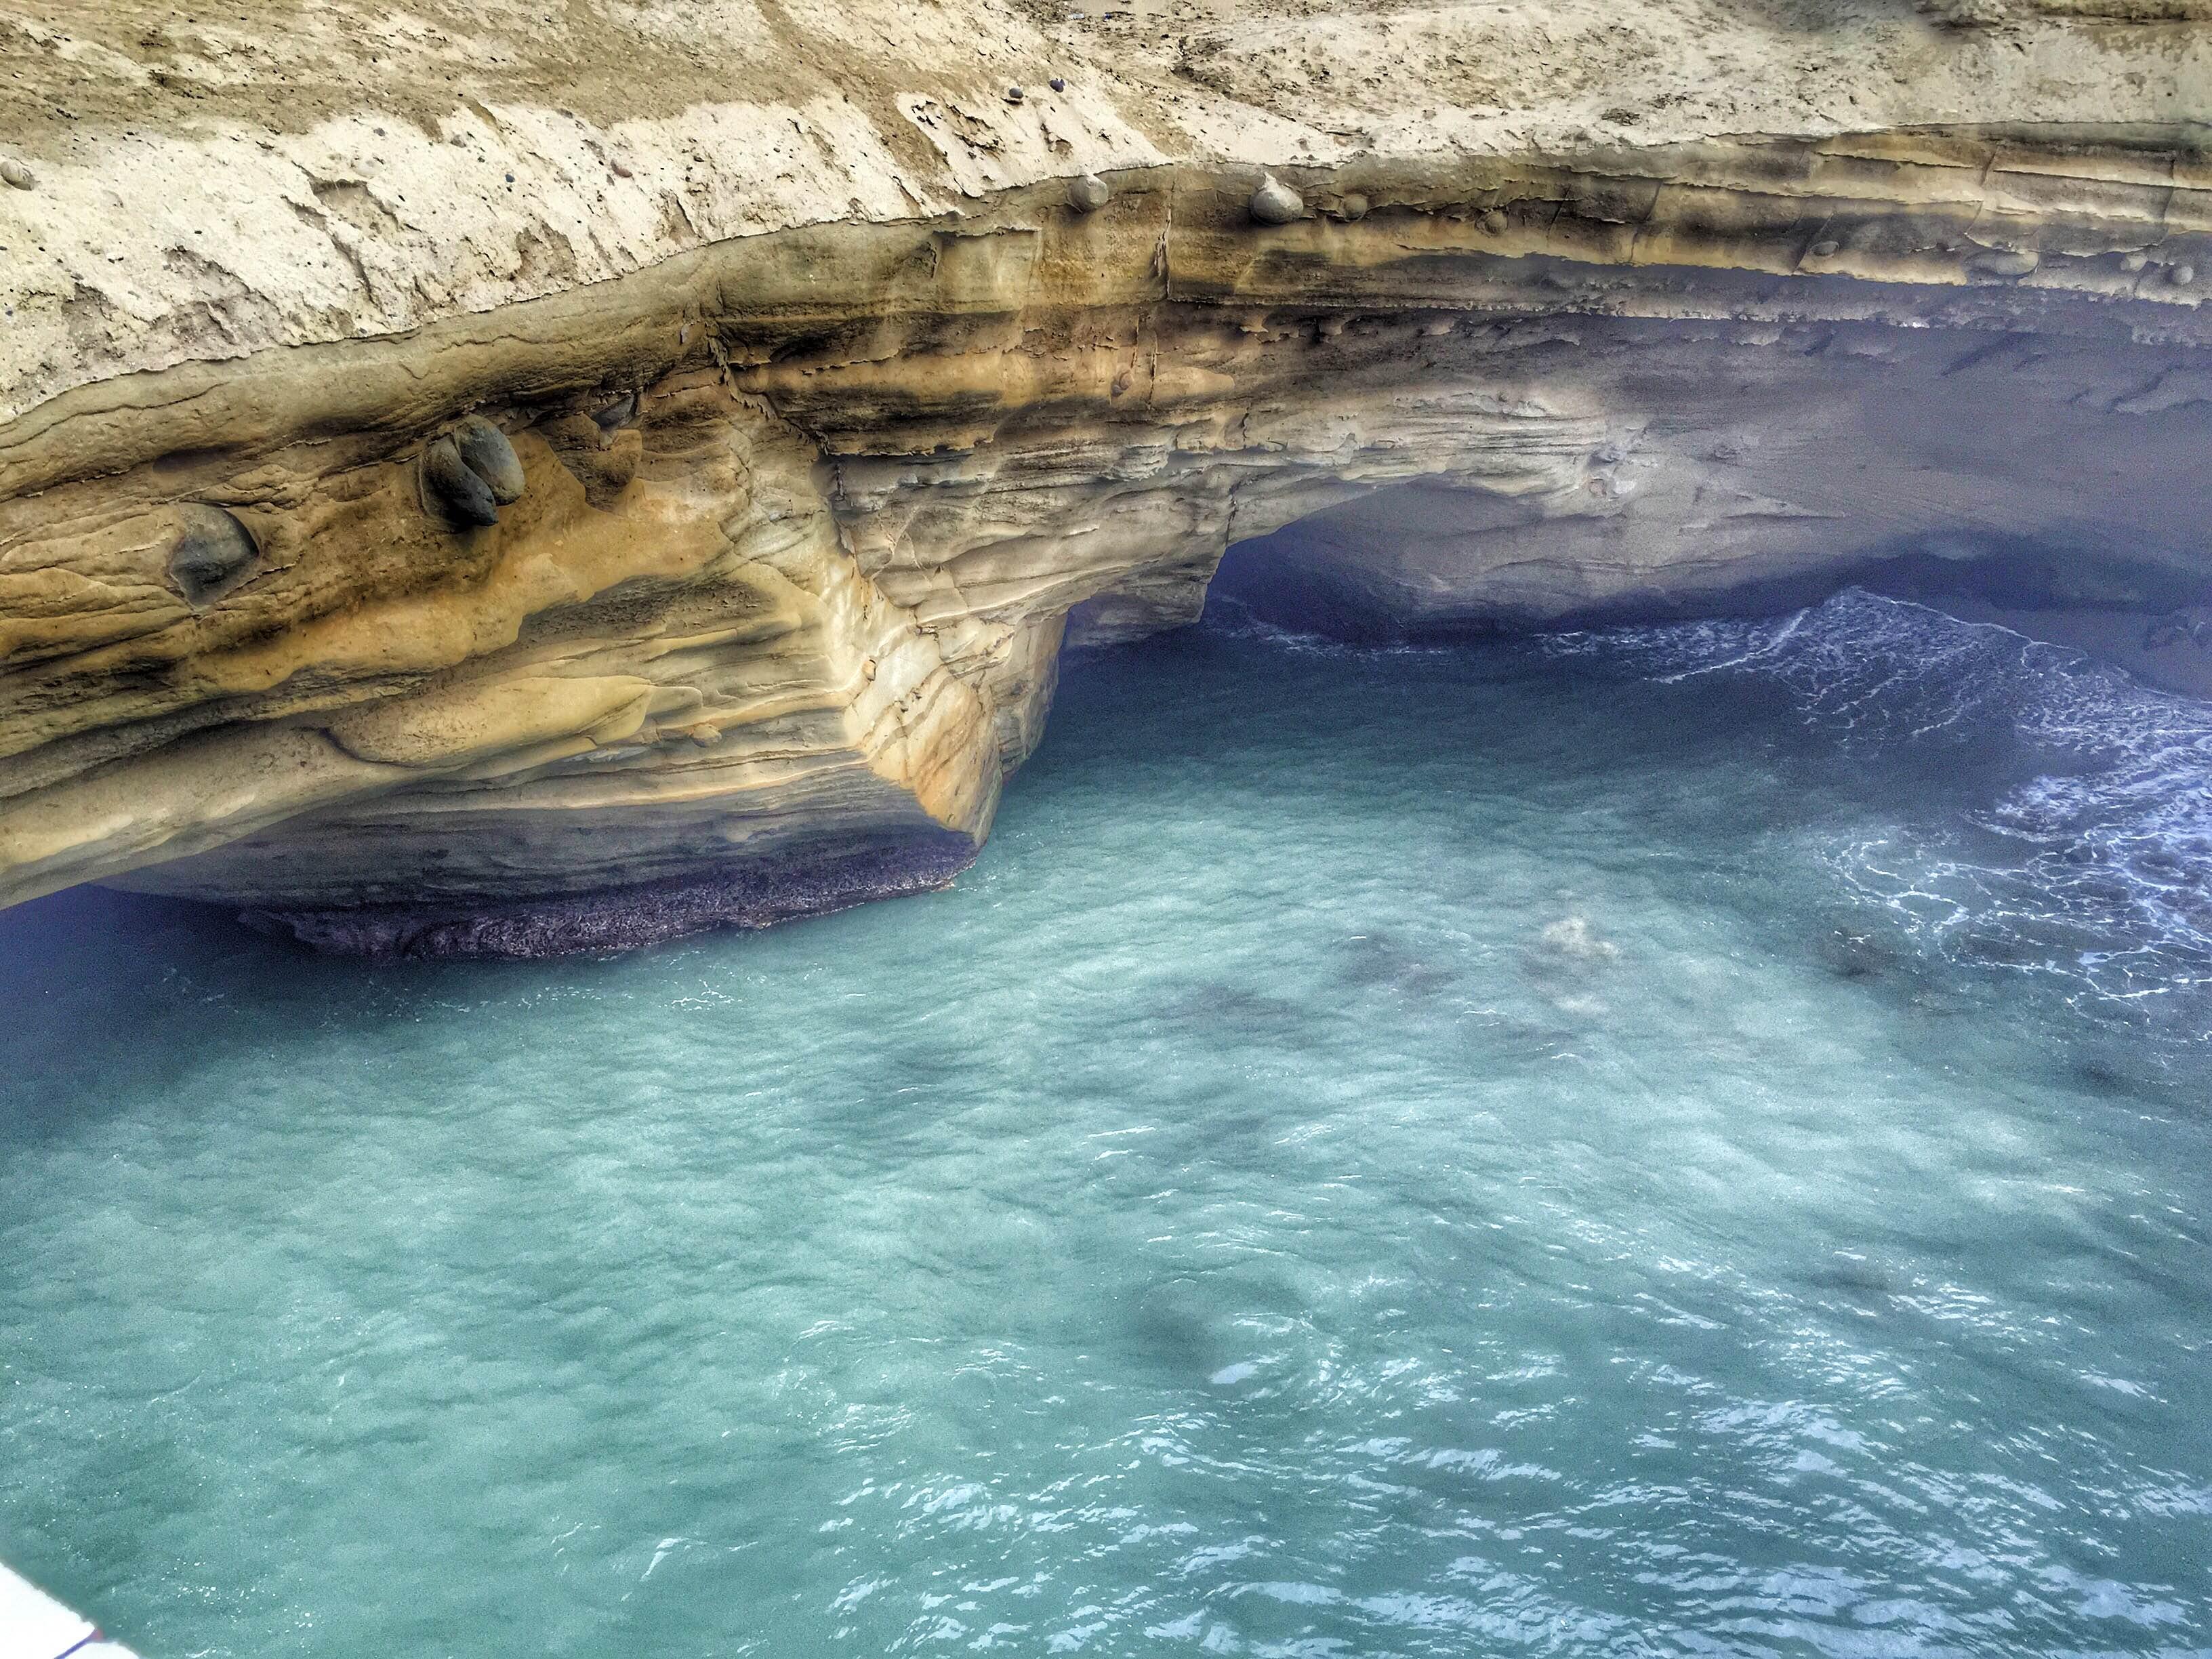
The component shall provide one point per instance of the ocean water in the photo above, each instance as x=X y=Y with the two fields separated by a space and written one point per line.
x=1690 y=1140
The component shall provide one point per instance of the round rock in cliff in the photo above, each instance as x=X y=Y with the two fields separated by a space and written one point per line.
x=15 y=174
x=1089 y=193
x=1275 y=203
x=212 y=554
x=1352 y=206
x=488 y=454
x=466 y=498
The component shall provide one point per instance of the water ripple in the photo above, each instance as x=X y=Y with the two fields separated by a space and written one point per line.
x=1649 y=1144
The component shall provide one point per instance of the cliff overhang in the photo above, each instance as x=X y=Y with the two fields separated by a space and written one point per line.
x=733 y=587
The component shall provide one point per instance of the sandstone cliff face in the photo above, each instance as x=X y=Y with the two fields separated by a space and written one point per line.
x=687 y=528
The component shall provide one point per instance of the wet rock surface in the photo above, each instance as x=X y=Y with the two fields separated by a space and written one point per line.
x=625 y=918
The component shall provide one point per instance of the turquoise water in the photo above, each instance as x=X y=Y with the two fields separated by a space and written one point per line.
x=1690 y=1141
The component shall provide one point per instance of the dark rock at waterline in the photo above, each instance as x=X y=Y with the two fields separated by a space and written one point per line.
x=625 y=918
x=464 y=496
x=213 y=554
x=2168 y=631
x=486 y=451
x=1859 y=1279
x=1855 y=956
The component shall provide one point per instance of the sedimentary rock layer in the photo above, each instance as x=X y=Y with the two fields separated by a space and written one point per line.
x=729 y=582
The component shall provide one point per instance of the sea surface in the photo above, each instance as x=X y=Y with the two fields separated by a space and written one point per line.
x=1691 y=1141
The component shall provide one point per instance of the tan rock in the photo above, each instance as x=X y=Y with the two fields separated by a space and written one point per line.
x=829 y=423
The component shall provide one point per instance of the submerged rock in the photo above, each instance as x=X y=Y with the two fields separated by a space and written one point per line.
x=1572 y=939
x=2168 y=631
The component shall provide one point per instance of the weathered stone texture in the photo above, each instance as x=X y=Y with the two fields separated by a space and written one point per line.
x=691 y=528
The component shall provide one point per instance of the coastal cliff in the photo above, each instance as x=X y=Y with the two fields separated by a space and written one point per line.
x=476 y=484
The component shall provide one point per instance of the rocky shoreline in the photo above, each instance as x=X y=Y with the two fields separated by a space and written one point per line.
x=625 y=918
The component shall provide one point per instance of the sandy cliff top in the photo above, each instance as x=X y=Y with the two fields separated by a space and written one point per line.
x=213 y=181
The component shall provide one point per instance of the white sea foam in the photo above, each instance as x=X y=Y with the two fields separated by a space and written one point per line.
x=2098 y=867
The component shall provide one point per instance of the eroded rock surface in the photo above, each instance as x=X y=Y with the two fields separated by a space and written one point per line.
x=688 y=530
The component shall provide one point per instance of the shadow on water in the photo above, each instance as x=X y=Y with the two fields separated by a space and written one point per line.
x=1220 y=1013
x=100 y=982
x=1384 y=962
x=116 y=997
